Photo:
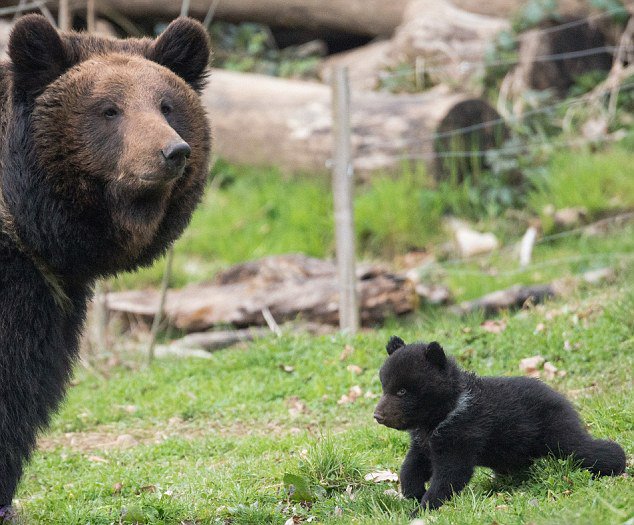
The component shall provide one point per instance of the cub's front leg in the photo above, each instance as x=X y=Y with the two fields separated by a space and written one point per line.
x=415 y=471
x=451 y=472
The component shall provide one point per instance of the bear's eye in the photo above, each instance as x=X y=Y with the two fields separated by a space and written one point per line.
x=401 y=392
x=166 y=108
x=110 y=112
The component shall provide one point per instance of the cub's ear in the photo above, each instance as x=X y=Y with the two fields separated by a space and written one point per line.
x=435 y=354
x=38 y=55
x=184 y=48
x=394 y=344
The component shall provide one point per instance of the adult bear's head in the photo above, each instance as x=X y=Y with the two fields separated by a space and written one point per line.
x=119 y=139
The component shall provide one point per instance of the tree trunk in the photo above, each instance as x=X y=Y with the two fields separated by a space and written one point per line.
x=260 y=120
x=362 y=17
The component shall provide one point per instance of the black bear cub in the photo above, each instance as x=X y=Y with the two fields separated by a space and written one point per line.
x=458 y=420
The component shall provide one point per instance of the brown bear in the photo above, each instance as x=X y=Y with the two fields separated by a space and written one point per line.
x=104 y=149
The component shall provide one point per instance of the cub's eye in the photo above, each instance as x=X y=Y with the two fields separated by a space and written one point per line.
x=401 y=392
x=110 y=113
x=166 y=108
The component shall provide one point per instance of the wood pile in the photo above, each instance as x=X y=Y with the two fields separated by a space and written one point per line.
x=290 y=287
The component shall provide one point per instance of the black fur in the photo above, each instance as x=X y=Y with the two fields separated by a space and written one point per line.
x=457 y=421
x=60 y=229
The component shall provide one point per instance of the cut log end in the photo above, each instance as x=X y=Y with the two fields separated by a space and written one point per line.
x=471 y=126
x=556 y=60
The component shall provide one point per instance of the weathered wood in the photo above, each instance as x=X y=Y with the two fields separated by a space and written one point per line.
x=536 y=72
x=517 y=296
x=289 y=286
x=363 y=17
x=260 y=120
x=451 y=41
x=211 y=341
x=512 y=297
x=443 y=42
x=343 y=189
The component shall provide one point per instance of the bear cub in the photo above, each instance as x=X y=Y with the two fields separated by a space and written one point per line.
x=458 y=420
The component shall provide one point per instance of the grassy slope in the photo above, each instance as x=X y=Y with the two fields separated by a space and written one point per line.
x=215 y=437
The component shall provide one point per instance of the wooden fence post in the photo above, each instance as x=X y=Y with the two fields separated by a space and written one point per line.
x=64 y=16
x=342 y=186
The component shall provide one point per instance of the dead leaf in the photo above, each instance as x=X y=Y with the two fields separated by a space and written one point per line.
x=381 y=475
x=355 y=369
x=353 y=394
x=146 y=488
x=117 y=487
x=539 y=328
x=494 y=326
x=294 y=520
x=97 y=459
x=287 y=368
x=551 y=371
x=348 y=350
x=531 y=365
x=296 y=406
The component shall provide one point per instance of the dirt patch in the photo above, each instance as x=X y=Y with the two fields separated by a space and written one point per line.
x=107 y=438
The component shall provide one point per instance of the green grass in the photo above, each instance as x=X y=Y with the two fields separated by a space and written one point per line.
x=248 y=213
x=216 y=438
x=599 y=182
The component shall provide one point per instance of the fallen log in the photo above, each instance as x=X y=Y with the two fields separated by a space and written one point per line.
x=363 y=17
x=211 y=341
x=574 y=50
x=448 y=40
x=444 y=41
x=517 y=296
x=290 y=287
x=260 y=120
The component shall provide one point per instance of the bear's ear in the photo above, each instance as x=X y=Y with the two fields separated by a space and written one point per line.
x=436 y=355
x=38 y=54
x=184 y=48
x=394 y=344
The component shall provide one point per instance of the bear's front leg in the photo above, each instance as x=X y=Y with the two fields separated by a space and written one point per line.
x=450 y=475
x=416 y=471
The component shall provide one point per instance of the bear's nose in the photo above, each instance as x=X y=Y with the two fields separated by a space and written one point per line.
x=379 y=417
x=176 y=154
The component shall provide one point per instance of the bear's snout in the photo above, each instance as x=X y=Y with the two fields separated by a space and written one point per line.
x=379 y=418
x=176 y=154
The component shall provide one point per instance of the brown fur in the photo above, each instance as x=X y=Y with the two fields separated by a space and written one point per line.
x=104 y=149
